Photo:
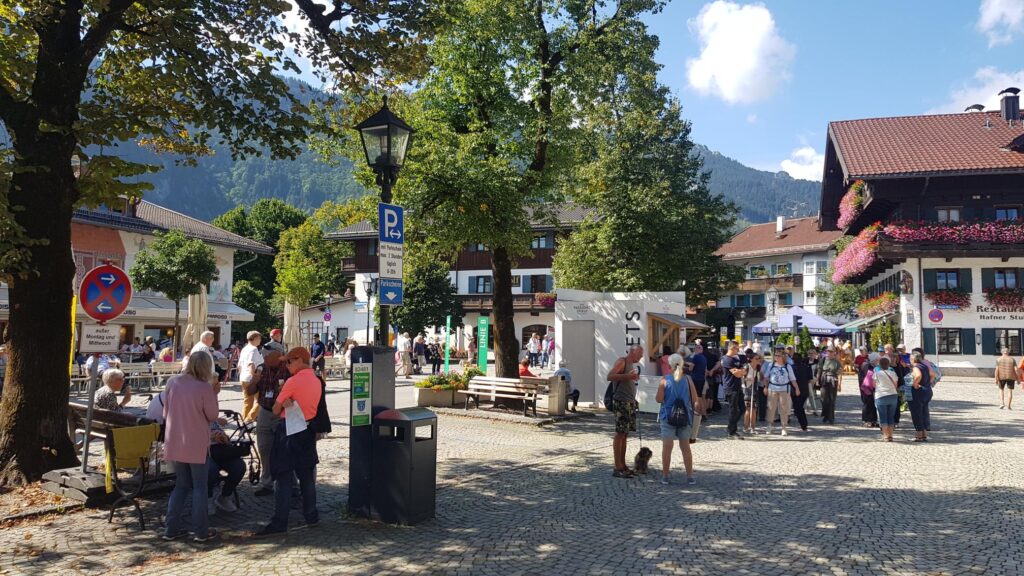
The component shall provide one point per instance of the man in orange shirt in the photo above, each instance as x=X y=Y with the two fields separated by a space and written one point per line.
x=295 y=453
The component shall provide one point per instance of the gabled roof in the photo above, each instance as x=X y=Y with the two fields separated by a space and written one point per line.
x=799 y=235
x=545 y=217
x=940 y=144
x=151 y=218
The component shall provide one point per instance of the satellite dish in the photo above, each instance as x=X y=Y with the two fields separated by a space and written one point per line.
x=974 y=108
x=1010 y=90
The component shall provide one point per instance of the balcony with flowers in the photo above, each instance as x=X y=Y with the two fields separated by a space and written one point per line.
x=885 y=303
x=920 y=239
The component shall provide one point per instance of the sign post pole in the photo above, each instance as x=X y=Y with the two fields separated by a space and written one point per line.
x=447 y=346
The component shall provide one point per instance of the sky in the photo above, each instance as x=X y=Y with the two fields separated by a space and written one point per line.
x=761 y=80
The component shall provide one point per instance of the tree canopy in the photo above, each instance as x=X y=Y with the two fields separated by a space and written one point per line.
x=429 y=298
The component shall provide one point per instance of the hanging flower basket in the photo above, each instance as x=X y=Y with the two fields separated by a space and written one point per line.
x=886 y=303
x=545 y=299
x=996 y=232
x=851 y=204
x=1005 y=297
x=954 y=297
x=858 y=256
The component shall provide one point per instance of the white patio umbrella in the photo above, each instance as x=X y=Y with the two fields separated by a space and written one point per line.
x=197 y=312
x=292 y=333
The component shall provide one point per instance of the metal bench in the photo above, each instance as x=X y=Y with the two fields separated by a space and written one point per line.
x=138 y=373
x=334 y=366
x=494 y=388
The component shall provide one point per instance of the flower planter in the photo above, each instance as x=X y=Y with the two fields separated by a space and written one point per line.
x=428 y=397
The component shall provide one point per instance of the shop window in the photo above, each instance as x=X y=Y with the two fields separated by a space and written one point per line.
x=1006 y=278
x=1008 y=338
x=1007 y=213
x=949 y=340
x=947 y=279
x=948 y=214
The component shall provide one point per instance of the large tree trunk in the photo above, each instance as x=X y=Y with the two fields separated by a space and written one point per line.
x=33 y=412
x=506 y=351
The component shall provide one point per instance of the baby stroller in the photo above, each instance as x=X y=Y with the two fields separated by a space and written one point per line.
x=242 y=439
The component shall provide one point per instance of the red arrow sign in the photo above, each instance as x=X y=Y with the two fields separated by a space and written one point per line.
x=105 y=293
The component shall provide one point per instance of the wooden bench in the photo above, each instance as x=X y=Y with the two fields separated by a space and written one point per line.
x=334 y=365
x=80 y=379
x=511 y=388
x=137 y=372
x=164 y=370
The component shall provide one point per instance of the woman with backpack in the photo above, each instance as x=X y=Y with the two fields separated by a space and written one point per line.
x=781 y=381
x=676 y=394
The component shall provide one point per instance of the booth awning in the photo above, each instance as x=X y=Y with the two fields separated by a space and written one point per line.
x=815 y=324
x=679 y=321
x=861 y=322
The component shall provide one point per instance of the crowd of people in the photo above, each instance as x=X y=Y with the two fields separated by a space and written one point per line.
x=763 y=390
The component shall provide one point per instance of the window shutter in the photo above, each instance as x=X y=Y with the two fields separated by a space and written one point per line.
x=967 y=345
x=527 y=284
x=929 y=341
x=549 y=282
x=988 y=278
x=965 y=279
x=1020 y=278
x=732 y=301
x=930 y=282
x=988 y=341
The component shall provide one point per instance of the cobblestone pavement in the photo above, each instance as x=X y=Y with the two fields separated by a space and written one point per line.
x=516 y=499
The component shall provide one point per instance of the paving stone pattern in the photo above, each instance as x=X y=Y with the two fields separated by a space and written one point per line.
x=517 y=499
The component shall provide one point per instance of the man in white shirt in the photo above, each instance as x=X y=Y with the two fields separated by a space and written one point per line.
x=205 y=343
x=250 y=361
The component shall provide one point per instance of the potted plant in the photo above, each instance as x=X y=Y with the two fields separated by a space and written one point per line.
x=954 y=297
x=851 y=204
x=435 y=391
x=1005 y=297
x=545 y=299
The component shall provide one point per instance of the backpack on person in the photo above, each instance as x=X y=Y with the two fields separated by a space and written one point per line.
x=321 y=423
x=609 y=392
x=679 y=417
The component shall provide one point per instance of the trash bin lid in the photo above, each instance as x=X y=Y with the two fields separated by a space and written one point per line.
x=406 y=415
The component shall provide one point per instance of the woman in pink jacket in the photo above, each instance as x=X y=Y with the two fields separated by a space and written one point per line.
x=190 y=405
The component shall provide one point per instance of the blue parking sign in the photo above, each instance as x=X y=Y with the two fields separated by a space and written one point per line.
x=390 y=291
x=391 y=223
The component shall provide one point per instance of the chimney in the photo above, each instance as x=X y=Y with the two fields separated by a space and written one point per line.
x=1009 y=105
x=780 y=225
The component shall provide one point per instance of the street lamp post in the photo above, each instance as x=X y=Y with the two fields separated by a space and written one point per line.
x=385 y=139
x=368 y=287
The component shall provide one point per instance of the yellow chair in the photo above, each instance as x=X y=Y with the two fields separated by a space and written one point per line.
x=128 y=451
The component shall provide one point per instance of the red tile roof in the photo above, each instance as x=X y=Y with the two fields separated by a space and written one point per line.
x=970 y=142
x=798 y=235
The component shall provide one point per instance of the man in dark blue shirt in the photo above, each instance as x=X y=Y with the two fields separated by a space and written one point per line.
x=733 y=370
x=316 y=352
x=699 y=373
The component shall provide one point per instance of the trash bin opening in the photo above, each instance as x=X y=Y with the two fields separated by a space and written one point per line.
x=391 y=433
x=424 y=432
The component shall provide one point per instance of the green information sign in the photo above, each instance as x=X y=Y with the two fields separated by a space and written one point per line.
x=482 y=342
x=362 y=373
x=447 y=341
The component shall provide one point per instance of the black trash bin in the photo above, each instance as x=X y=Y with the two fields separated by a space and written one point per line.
x=404 y=469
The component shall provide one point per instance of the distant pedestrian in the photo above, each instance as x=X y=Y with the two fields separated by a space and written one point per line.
x=544 y=350
x=268 y=386
x=1006 y=377
x=920 y=396
x=831 y=370
x=675 y=391
x=551 y=350
x=419 y=350
x=752 y=384
x=884 y=384
x=405 y=350
x=781 y=381
x=250 y=361
x=533 y=349
x=734 y=369
x=699 y=375
x=865 y=383
x=436 y=355
x=571 y=392
x=524 y=369
x=275 y=341
x=317 y=353
x=624 y=375
x=802 y=370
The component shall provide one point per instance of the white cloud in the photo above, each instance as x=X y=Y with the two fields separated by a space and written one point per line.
x=752 y=118
x=1000 y=20
x=805 y=164
x=743 y=58
x=984 y=89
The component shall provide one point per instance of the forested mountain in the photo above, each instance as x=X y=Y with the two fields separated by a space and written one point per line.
x=217 y=183
x=761 y=195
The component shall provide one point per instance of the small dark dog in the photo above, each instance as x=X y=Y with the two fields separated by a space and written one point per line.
x=641 y=460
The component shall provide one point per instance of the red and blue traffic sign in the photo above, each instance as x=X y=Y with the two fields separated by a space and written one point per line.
x=935 y=315
x=105 y=293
